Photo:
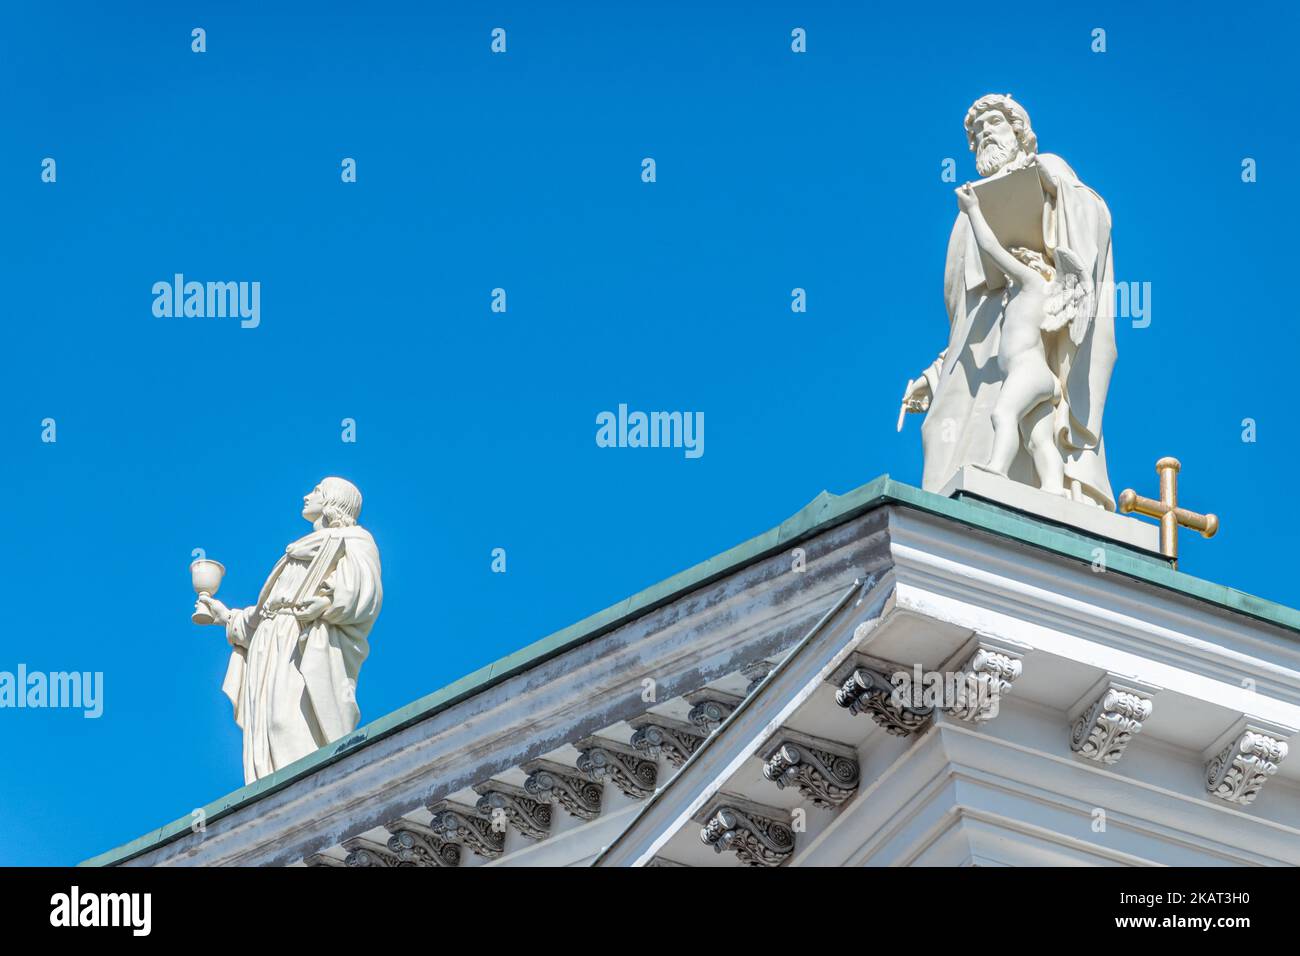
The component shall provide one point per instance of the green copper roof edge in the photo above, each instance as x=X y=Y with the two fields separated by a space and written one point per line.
x=823 y=512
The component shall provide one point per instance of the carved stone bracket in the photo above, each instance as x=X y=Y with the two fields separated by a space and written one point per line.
x=982 y=683
x=1105 y=727
x=757 y=835
x=709 y=708
x=416 y=845
x=656 y=736
x=754 y=673
x=321 y=859
x=363 y=852
x=530 y=817
x=825 y=773
x=1238 y=772
x=867 y=690
x=454 y=823
x=563 y=786
x=604 y=761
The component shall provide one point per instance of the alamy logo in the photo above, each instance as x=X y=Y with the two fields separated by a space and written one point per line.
x=61 y=689
x=651 y=430
x=212 y=300
x=103 y=909
x=944 y=690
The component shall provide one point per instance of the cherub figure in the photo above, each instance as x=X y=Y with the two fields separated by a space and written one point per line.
x=1042 y=299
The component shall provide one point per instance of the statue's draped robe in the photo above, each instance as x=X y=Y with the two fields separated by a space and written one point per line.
x=294 y=689
x=966 y=380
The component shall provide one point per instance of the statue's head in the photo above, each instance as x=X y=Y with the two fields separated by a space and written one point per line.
x=998 y=130
x=334 y=503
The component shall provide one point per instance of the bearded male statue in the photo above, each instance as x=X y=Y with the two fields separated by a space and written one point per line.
x=960 y=389
x=296 y=652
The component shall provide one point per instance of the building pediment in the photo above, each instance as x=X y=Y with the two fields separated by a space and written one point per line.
x=746 y=713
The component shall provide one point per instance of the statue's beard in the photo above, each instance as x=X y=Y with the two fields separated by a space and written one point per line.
x=991 y=157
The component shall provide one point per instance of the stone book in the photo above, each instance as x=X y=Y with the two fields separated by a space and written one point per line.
x=319 y=569
x=1012 y=203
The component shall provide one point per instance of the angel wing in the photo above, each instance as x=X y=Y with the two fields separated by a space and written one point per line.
x=1070 y=302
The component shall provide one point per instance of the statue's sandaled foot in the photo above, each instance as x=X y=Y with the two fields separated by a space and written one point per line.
x=992 y=471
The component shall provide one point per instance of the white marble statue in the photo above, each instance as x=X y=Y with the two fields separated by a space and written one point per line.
x=297 y=651
x=1020 y=389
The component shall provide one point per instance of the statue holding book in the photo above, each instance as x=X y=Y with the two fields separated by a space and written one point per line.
x=296 y=652
x=1020 y=388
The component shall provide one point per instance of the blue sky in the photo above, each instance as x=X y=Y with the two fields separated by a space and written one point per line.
x=475 y=430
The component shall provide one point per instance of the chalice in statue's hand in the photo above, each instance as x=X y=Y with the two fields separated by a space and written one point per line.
x=206 y=576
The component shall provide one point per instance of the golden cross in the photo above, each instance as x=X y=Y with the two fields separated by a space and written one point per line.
x=1167 y=510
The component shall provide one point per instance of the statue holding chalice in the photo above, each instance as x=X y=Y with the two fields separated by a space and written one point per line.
x=297 y=651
